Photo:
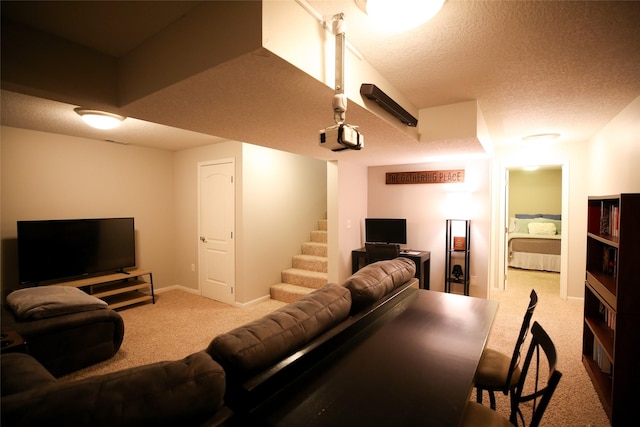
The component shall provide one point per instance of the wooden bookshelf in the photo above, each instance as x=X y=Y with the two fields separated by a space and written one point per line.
x=611 y=336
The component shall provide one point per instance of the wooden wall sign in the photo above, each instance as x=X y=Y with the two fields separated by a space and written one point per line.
x=426 y=177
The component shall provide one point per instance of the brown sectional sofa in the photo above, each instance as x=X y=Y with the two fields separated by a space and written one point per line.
x=324 y=320
x=69 y=342
x=184 y=392
x=225 y=383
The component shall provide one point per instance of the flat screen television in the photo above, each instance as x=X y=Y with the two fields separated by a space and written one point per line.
x=385 y=230
x=52 y=250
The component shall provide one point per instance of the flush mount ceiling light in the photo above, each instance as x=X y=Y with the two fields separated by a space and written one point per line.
x=541 y=137
x=99 y=119
x=399 y=15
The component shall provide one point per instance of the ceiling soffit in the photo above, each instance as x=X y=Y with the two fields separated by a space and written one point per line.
x=236 y=90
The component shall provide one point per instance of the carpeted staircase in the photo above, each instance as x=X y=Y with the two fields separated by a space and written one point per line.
x=309 y=269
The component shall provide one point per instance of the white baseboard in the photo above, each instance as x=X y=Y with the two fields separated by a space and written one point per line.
x=252 y=302
x=176 y=287
x=197 y=292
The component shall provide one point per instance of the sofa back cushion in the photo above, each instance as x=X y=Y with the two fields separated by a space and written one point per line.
x=263 y=342
x=374 y=281
x=170 y=393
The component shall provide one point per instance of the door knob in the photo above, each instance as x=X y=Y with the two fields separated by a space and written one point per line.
x=203 y=238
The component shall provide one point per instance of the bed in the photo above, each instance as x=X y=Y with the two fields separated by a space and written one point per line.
x=534 y=242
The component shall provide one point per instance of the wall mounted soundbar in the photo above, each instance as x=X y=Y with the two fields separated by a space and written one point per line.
x=373 y=92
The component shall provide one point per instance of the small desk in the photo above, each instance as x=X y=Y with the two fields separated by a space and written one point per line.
x=414 y=366
x=421 y=258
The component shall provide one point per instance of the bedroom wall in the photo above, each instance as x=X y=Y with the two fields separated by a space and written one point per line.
x=534 y=192
x=50 y=176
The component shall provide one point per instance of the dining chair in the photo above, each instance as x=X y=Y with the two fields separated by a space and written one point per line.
x=498 y=371
x=537 y=391
x=381 y=251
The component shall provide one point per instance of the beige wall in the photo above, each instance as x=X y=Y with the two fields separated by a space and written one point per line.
x=49 y=176
x=347 y=186
x=535 y=192
x=614 y=155
x=427 y=206
x=284 y=196
x=279 y=199
x=52 y=176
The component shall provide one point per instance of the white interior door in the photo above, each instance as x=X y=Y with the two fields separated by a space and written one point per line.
x=217 y=222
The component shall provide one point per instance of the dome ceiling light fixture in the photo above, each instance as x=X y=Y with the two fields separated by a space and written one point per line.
x=99 y=119
x=400 y=15
x=541 y=137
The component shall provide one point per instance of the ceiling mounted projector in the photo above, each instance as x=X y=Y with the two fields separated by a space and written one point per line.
x=341 y=136
x=374 y=93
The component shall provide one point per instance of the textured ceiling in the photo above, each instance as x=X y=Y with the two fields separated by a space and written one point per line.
x=533 y=67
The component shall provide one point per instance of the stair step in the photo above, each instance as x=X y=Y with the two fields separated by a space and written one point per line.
x=309 y=279
x=319 y=236
x=311 y=263
x=288 y=293
x=314 y=248
x=309 y=270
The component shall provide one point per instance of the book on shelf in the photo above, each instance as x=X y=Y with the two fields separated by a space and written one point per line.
x=601 y=359
x=610 y=220
x=604 y=219
x=608 y=316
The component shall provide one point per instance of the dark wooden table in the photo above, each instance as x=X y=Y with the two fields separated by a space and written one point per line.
x=414 y=366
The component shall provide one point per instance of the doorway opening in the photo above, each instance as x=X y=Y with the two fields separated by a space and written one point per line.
x=535 y=202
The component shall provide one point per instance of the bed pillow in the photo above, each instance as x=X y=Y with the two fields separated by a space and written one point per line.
x=522 y=225
x=542 y=228
x=557 y=223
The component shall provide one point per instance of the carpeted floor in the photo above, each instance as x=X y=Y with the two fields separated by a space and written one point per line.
x=181 y=323
x=178 y=324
